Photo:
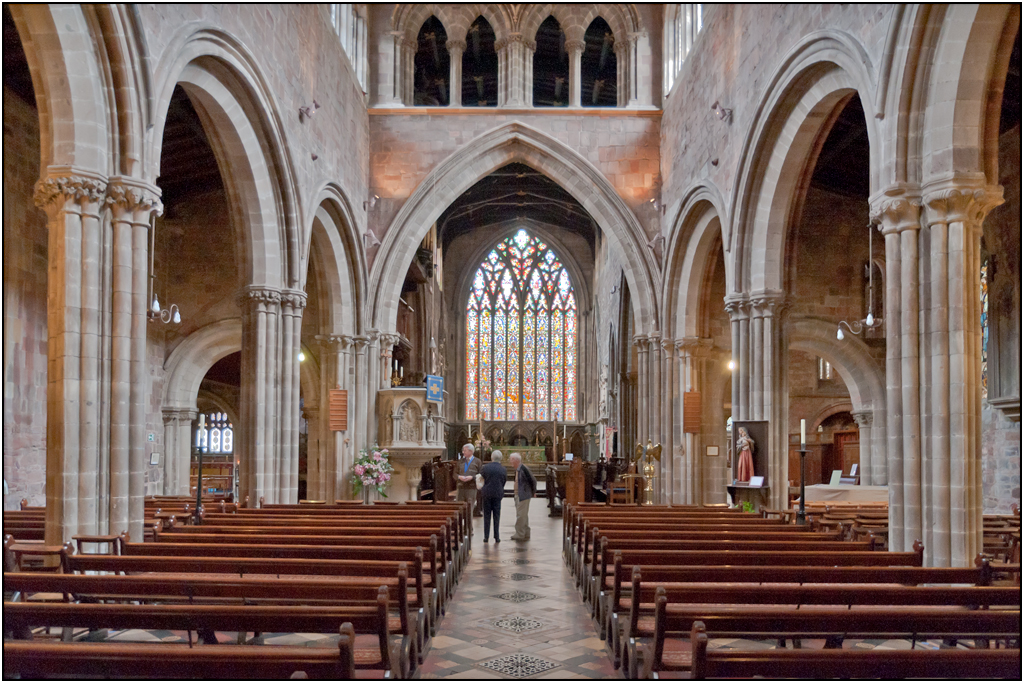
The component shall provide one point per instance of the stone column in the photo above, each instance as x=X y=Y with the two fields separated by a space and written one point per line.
x=863 y=418
x=670 y=402
x=314 y=458
x=359 y=394
x=293 y=301
x=642 y=423
x=623 y=50
x=335 y=446
x=899 y=218
x=575 y=50
x=74 y=314
x=738 y=308
x=392 y=93
x=409 y=48
x=772 y=386
x=654 y=387
x=951 y=351
x=132 y=204
x=515 y=59
x=387 y=347
x=177 y=449
x=456 y=48
x=258 y=439
x=687 y=475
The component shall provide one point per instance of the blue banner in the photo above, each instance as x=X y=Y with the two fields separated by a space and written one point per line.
x=435 y=388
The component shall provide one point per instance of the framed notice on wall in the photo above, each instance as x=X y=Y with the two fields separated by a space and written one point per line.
x=339 y=410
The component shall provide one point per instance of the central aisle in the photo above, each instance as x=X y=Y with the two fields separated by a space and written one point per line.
x=516 y=613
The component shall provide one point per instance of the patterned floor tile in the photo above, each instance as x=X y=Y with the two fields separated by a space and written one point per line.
x=517 y=596
x=519 y=665
x=517 y=624
x=516 y=576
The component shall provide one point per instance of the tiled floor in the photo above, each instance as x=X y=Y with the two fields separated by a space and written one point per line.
x=516 y=613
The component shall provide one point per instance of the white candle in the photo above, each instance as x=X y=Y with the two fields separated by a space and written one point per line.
x=401 y=372
x=803 y=434
x=563 y=431
x=202 y=421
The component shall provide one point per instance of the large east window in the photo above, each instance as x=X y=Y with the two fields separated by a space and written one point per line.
x=521 y=335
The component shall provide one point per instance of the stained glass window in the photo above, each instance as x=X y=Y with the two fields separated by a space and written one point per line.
x=521 y=335
x=218 y=437
x=984 y=329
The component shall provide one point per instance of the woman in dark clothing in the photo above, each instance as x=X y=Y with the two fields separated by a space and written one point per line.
x=493 y=491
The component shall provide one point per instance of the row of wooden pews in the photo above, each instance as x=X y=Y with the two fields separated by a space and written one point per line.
x=380 y=576
x=656 y=577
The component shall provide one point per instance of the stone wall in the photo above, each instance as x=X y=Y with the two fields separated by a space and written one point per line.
x=300 y=59
x=25 y=337
x=731 y=62
x=405 y=145
x=1000 y=461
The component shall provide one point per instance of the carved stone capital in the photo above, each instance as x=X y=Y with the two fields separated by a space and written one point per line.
x=295 y=298
x=641 y=341
x=962 y=204
x=863 y=418
x=572 y=46
x=335 y=342
x=178 y=416
x=896 y=210
x=767 y=304
x=737 y=306
x=255 y=296
x=132 y=196
x=53 y=191
x=360 y=342
x=456 y=46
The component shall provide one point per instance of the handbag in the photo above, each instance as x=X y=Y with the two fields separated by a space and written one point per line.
x=479 y=481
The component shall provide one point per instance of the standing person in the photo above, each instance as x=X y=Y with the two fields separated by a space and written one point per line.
x=466 y=469
x=525 y=489
x=495 y=475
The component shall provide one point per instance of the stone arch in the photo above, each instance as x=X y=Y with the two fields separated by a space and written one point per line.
x=190 y=360
x=863 y=378
x=513 y=142
x=240 y=116
x=74 y=118
x=833 y=408
x=574 y=19
x=960 y=127
x=810 y=83
x=696 y=225
x=464 y=16
x=334 y=245
x=409 y=19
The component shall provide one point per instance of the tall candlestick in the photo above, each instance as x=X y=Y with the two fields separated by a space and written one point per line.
x=803 y=434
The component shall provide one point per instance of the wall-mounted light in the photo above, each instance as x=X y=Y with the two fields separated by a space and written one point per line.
x=166 y=315
x=721 y=112
x=869 y=322
x=731 y=365
x=370 y=240
x=302 y=356
x=308 y=111
x=371 y=202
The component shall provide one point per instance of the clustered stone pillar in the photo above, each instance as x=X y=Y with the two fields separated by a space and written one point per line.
x=933 y=367
x=669 y=399
x=177 y=441
x=456 y=48
x=642 y=422
x=759 y=387
x=515 y=70
x=269 y=405
x=691 y=477
x=334 y=452
x=97 y=386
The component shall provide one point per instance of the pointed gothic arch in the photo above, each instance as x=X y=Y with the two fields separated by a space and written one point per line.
x=510 y=143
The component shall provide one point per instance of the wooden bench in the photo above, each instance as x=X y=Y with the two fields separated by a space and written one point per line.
x=834 y=625
x=29 y=660
x=849 y=664
x=191 y=589
x=20 y=617
x=640 y=604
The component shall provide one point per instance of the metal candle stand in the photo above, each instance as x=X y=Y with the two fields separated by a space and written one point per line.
x=199 y=479
x=801 y=516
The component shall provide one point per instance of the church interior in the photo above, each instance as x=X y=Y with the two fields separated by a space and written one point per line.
x=699 y=265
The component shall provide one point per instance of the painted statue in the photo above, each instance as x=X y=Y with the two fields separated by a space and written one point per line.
x=745 y=460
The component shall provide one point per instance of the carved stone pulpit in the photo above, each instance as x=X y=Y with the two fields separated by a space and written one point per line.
x=412 y=429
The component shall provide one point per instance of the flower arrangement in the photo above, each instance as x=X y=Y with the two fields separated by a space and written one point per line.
x=372 y=470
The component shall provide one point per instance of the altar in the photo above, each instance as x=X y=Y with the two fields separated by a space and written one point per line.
x=847 y=493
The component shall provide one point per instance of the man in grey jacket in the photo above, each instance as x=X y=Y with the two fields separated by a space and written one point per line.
x=525 y=488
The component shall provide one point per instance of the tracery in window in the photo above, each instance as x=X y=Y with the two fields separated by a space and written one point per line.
x=521 y=335
x=219 y=435
x=430 y=87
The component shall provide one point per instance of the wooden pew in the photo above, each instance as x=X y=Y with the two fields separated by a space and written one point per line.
x=644 y=593
x=834 y=625
x=28 y=660
x=20 y=617
x=191 y=589
x=849 y=664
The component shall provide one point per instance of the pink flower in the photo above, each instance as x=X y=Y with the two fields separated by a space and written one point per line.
x=360 y=469
x=387 y=477
x=376 y=456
